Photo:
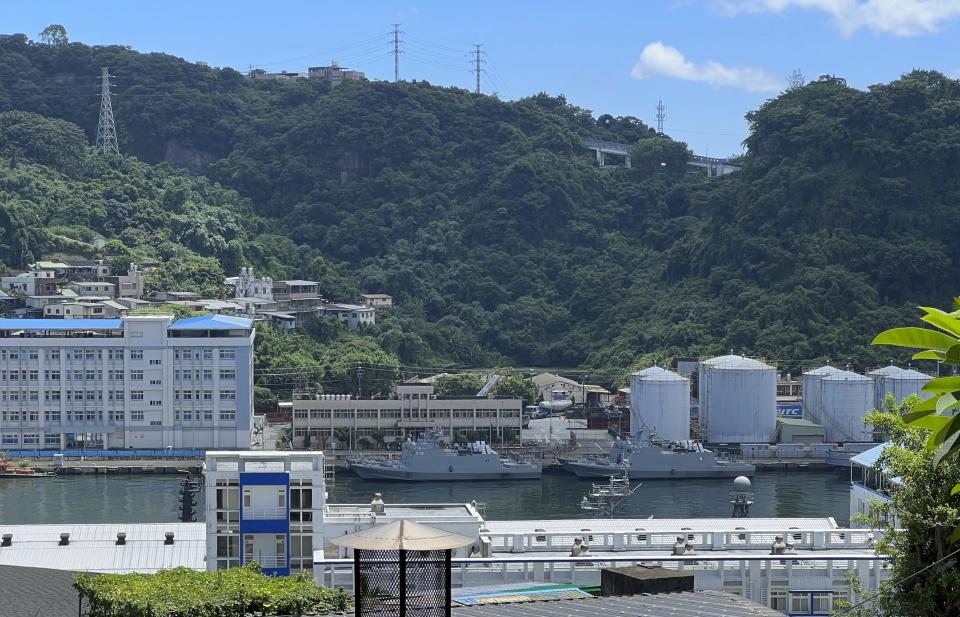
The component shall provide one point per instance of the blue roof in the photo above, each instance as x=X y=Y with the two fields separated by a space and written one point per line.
x=61 y=324
x=212 y=322
x=869 y=458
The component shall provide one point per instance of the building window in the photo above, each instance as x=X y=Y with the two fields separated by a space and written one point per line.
x=155 y=382
x=31 y=439
x=155 y=362
x=156 y=403
x=136 y=375
x=51 y=440
x=136 y=395
x=228 y=395
x=136 y=414
x=136 y=354
x=208 y=354
x=33 y=354
x=228 y=415
x=207 y=375
x=9 y=440
x=228 y=374
x=228 y=354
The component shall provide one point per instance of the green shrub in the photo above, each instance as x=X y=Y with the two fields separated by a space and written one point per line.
x=182 y=592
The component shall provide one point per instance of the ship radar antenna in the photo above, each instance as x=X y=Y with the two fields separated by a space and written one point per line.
x=742 y=497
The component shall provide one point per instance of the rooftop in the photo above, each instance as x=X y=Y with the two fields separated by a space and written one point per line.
x=298 y=282
x=61 y=324
x=28 y=592
x=94 y=548
x=869 y=458
x=683 y=604
x=627 y=525
x=212 y=322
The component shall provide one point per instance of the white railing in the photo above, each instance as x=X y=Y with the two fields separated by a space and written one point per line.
x=744 y=572
x=269 y=561
x=642 y=540
x=262 y=514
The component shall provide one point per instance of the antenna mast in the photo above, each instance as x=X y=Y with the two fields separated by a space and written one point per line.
x=106 y=130
x=661 y=115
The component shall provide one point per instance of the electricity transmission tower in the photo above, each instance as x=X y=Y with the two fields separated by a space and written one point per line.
x=661 y=116
x=396 y=52
x=477 y=52
x=106 y=130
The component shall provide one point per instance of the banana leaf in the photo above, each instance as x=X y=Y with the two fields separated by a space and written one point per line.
x=942 y=384
x=923 y=338
x=940 y=319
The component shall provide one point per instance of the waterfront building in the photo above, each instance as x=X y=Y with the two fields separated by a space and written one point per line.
x=134 y=382
x=549 y=385
x=415 y=409
x=266 y=507
x=868 y=485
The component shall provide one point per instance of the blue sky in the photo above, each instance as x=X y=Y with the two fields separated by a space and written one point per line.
x=710 y=61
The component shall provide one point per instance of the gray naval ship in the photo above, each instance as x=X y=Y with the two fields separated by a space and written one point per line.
x=650 y=459
x=425 y=460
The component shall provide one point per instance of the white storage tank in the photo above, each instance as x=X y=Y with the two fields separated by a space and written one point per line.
x=899 y=382
x=660 y=403
x=738 y=400
x=812 y=407
x=845 y=398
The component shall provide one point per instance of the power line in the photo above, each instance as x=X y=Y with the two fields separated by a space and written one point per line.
x=106 y=130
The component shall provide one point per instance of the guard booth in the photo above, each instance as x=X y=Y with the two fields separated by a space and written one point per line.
x=402 y=569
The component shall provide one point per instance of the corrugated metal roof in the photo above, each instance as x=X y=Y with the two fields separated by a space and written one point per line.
x=736 y=362
x=212 y=322
x=823 y=370
x=61 y=324
x=656 y=373
x=846 y=376
x=869 y=458
x=683 y=604
x=520 y=595
x=93 y=548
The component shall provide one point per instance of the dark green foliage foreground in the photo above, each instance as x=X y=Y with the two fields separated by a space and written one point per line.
x=182 y=592
x=499 y=238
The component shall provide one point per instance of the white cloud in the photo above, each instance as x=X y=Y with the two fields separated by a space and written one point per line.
x=658 y=59
x=896 y=17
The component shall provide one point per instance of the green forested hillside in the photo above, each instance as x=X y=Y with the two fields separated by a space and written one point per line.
x=500 y=240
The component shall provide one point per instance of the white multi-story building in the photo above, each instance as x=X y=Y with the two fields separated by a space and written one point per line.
x=414 y=410
x=248 y=285
x=134 y=382
x=265 y=507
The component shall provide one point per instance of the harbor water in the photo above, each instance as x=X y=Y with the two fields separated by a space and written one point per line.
x=155 y=498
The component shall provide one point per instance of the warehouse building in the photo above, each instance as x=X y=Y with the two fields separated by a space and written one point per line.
x=327 y=417
x=134 y=382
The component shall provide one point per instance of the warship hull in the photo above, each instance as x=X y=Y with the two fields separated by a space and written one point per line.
x=369 y=471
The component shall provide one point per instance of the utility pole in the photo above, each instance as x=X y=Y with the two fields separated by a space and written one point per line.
x=476 y=58
x=106 y=130
x=660 y=116
x=396 y=52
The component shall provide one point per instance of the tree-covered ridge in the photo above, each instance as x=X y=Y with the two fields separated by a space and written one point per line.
x=503 y=243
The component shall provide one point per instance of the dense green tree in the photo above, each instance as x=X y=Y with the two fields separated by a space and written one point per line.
x=459 y=384
x=54 y=34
